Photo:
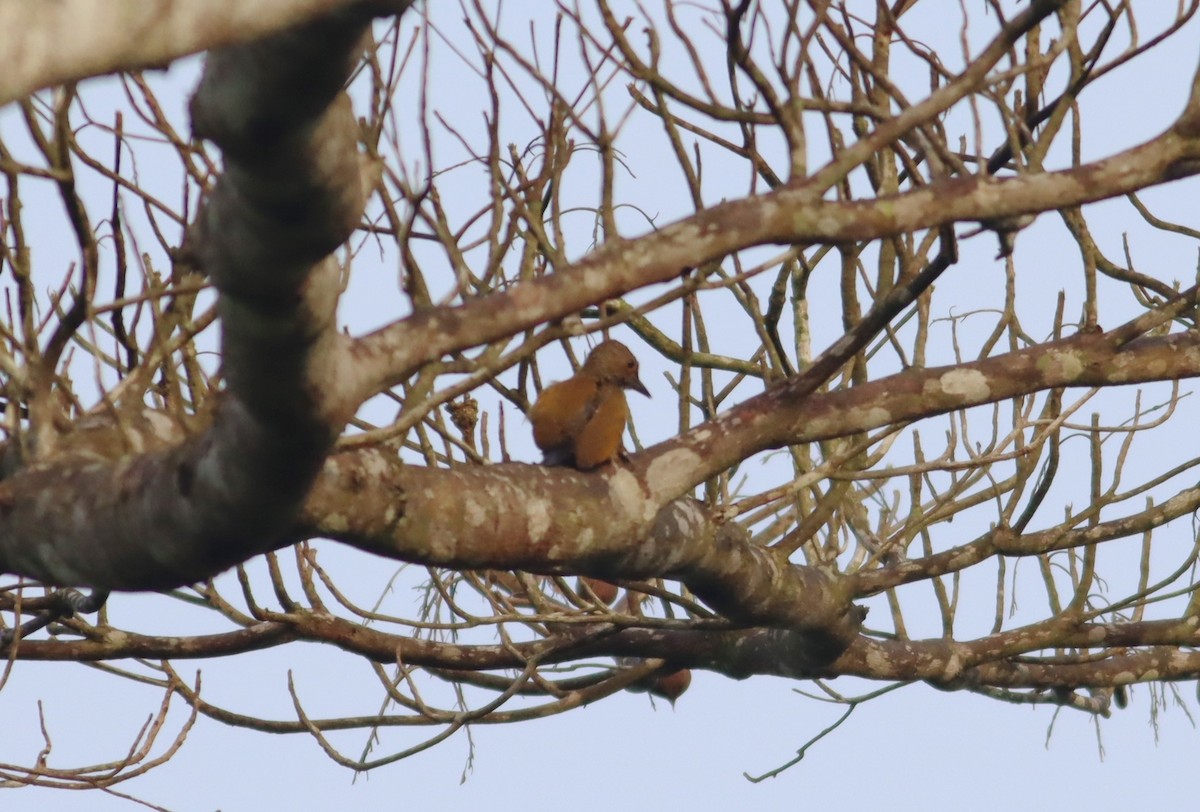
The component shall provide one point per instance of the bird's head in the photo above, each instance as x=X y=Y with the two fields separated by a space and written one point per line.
x=612 y=362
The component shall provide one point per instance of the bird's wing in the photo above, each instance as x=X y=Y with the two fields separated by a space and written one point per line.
x=561 y=412
x=600 y=439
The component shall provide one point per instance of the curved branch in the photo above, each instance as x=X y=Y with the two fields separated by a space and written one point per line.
x=291 y=193
x=70 y=40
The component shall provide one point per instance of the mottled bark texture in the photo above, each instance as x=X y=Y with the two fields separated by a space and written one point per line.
x=289 y=195
x=161 y=516
x=69 y=40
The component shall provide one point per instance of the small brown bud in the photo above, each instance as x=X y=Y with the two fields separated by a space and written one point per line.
x=464 y=415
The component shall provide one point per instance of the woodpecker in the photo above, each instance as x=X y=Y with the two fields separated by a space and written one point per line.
x=672 y=686
x=580 y=421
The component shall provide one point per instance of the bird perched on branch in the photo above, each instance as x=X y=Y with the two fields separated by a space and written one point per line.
x=580 y=421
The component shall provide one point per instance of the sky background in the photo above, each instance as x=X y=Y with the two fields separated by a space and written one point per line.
x=916 y=748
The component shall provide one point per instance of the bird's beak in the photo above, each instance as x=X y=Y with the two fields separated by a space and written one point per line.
x=638 y=386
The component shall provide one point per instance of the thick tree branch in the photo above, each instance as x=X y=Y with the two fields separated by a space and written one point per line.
x=625 y=523
x=70 y=40
x=552 y=520
x=775 y=418
x=185 y=467
x=290 y=194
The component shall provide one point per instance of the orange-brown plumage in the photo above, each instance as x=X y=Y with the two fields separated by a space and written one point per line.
x=672 y=686
x=580 y=421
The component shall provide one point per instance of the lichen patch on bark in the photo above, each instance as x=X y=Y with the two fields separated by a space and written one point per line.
x=967 y=383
